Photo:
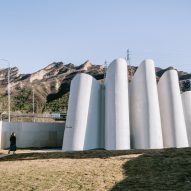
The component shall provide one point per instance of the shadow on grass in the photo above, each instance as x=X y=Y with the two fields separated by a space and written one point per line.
x=168 y=169
x=71 y=155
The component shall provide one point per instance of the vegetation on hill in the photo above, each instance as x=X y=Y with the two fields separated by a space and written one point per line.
x=57 y=105
x=51 y=86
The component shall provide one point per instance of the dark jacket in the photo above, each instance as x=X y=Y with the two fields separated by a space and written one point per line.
x=13 y=140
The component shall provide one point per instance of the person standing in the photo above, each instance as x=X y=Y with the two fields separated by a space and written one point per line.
x=12 y=143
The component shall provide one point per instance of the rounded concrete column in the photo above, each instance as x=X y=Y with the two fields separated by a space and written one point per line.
x=117 y=131
x=82 y=129
x=171 y=109
x=146 y=132
x=186 y=101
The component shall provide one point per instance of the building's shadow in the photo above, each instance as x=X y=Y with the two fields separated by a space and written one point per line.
x=35 y=155
x=168 y=169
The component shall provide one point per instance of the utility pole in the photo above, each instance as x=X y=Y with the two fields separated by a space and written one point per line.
x=33 y=100
x=9 y=95
x=33 y=103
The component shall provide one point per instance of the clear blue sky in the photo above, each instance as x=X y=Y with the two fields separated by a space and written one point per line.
x=34 y=33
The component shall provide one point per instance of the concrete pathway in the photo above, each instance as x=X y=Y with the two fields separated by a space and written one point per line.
x=3 y=155
x=32 y=151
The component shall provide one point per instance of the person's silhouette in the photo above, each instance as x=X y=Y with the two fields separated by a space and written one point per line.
x=12 y=143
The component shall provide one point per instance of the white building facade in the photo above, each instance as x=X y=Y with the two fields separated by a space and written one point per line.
x=119 y=115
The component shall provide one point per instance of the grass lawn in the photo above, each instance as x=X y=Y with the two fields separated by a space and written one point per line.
x=168 y=169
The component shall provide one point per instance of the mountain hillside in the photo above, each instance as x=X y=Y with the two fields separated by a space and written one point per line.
x=51 y=86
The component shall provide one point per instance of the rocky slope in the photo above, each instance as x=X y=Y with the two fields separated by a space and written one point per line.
x=51 y=85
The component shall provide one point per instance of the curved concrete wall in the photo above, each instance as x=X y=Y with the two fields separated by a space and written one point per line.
x=186 y=101
x=171 y=110
x=146 y=132
x=117 y=132
x=82 y=130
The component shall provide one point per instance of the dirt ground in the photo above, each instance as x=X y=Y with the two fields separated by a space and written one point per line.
x=168 y=169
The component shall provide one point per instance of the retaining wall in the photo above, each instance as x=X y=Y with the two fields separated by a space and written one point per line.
x=32 y=134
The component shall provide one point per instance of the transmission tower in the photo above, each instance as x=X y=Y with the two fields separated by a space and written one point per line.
x=128 y=57
x=105 y=66
x=130 y=71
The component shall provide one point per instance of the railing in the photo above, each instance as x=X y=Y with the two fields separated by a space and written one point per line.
x=54 y=116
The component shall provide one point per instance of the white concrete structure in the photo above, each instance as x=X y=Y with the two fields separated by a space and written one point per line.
x=186 y=101
x=83 y=124
x=102 y=118
x=98 y=115
x=32 y=134
x=171 y=109
x=117 y=130
x=146 y=132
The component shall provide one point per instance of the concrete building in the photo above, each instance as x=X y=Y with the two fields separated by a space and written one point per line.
x=114 y=114
x=83 y=124
x=98 y=115
x=171 y=110
x=186 y=101
x=117 y=129
x=146 y=132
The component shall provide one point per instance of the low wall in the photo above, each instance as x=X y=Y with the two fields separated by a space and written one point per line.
x=32 y=134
